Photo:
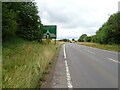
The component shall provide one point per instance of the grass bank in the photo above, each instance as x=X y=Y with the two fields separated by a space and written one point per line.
x=101 y=46
x=25 y=62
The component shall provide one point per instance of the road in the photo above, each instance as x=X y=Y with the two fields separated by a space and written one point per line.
x=80 y=66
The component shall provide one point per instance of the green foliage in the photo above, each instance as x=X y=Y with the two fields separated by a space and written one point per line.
x=93 y=38
x=108 y=33
x=88 y=39
x=21 y=19
x=9 y=24
x=82 y=38
x=65 y=40
x=24 y=62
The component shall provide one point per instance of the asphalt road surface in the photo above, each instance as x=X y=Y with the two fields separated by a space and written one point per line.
x=80 y=66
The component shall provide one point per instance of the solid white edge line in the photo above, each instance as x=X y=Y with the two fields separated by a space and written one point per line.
x=113 y=60
x=69 y=82
x=64 y=52
x=99 y=49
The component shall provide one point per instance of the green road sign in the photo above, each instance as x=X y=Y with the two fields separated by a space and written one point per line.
x=50 y=31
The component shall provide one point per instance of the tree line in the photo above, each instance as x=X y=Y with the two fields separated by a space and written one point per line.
x=108 y=33
x=21 y=19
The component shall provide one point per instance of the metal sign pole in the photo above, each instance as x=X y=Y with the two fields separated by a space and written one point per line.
x=55 y=41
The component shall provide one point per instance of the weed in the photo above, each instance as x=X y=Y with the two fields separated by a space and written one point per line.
x=24 y=63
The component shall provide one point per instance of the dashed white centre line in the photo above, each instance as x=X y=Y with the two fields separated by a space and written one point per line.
x=113 y=60
x=69 y=82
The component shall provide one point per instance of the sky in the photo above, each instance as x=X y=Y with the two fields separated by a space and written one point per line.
x=76 y=17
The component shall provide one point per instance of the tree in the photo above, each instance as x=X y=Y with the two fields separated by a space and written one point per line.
x=29 y=22
x=9 y=24
x=88 y=39
x=110 y=31
x=65 y=40
x=93 y=38
x=82 y=38
x=21 y=19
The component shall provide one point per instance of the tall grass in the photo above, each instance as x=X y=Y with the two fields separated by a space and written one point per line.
x=24 y=63
x=101 y=46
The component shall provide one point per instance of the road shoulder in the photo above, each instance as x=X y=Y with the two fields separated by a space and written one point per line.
x=57 y=76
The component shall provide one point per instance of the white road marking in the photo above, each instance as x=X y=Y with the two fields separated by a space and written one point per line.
x=64 y=52
x=113 y=60
x=101 y=49
x=89 y=51
x=109 y=51
x=69 y=82
x=68 y=75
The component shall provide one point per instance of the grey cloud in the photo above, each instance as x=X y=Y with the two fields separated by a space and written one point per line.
x=58 y=17
x=80 y=16
x=69 y=19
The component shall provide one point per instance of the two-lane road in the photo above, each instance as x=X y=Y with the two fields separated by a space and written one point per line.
x=88 y=67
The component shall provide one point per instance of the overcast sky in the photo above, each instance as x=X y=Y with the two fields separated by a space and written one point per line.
x=76 y=17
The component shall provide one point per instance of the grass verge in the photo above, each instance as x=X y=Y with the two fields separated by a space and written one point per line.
x=24 y=63
x=101 y=46
x=45 y=81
